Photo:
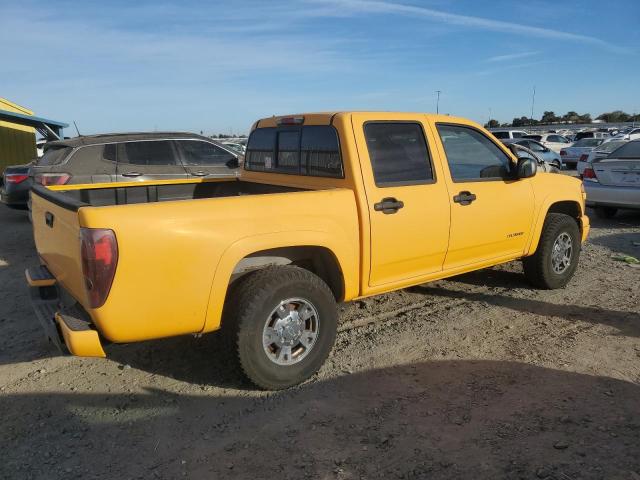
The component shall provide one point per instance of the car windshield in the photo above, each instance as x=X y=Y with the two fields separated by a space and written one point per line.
x=629 y=150
x=501 y=135
x=588 y=142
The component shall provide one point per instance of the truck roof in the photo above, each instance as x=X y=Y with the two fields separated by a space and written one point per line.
x=326 y=118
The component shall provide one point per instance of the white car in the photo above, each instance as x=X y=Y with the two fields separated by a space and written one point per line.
x=551 y=140
x=598 y=153
x=632 y=135
x=508 y=134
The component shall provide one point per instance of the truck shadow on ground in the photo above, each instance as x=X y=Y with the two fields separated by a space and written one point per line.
x=627 y=323
x=439 y=419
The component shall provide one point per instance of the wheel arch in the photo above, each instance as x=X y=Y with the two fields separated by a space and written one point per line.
x=571 y=208
x=332 y=259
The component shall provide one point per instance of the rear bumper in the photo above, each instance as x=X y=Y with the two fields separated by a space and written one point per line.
x=599 y=195
x=67 y=327
x=14 y=196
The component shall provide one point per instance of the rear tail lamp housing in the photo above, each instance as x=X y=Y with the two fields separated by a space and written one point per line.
x=584 y=157
x=99 y=252
x=589 y=175
x=15 y=178
x=563 y=152
x=52 y=178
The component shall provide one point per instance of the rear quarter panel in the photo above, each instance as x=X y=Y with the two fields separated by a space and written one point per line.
x=164 y=282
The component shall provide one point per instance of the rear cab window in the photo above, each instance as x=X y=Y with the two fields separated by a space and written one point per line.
x=311 y=150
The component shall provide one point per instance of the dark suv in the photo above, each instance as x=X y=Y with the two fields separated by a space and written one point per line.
x=127 y=157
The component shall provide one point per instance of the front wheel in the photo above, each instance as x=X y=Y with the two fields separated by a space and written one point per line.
x=556 y=257
x=283 y=322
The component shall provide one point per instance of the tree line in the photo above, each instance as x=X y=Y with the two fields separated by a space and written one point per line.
x=550 y=118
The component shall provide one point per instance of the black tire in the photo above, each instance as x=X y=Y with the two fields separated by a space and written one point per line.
x=538 y=268
x=249 y=306
x=606 y=212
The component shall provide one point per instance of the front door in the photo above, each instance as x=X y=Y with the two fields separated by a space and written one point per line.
x=407 y=198
x=491 y=213
x=204 y=159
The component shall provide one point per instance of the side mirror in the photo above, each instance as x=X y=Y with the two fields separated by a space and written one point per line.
x=233 y=163
x=527 y=168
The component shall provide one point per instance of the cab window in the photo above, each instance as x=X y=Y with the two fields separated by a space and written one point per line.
x=398 y=153
x=471 y=155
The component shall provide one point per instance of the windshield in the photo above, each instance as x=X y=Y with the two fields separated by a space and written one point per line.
x=629 y=150
x=588 y=142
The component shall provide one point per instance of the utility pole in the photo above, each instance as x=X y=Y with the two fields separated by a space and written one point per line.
x=533 y=101
x=438 y=102
x=489 y=115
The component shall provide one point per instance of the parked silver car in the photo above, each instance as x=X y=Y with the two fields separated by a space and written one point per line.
x=598 y=153
x=571 y=155
x=614 y=182
x=546 y=154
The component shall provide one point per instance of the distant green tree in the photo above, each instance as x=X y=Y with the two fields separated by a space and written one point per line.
x=584 y=118
x=492 y=123
x=615 y=116
x=549 y=117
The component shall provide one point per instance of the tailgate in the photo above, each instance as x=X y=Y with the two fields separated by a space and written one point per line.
x=56 y=230
x=619 y=173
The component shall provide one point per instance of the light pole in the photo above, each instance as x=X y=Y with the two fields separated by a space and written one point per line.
x=438 y=102
x=533 y=101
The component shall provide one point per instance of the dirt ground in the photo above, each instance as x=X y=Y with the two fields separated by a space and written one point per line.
x=476 y=377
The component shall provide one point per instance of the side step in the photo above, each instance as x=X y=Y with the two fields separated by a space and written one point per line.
x=39 y=276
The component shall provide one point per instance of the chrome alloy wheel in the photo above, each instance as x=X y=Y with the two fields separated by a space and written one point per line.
x=561 y=253
x=291 y=331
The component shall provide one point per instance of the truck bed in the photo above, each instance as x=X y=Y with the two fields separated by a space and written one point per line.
x=74 y=197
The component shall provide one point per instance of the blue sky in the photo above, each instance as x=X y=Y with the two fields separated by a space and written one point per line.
x=123 y=65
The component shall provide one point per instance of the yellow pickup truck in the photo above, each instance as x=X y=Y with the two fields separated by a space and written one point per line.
x=329 y=207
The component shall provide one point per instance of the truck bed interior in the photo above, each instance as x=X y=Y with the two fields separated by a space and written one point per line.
x=157 y=193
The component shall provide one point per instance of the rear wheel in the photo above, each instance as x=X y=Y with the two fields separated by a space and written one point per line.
x=282 y=322
x=606 y=212
x=556 y=257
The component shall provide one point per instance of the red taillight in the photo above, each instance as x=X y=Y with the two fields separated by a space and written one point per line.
x=583 y=157
x=562 y=152
x=52 y=178
x=589 y=174
x=99 y=250
x=15 y=178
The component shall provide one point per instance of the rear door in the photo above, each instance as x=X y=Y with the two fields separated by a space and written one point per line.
x=491 y=214
x=148 y=160
x=407 y=197
x=205 y=159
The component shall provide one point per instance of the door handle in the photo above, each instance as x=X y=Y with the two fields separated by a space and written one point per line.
x=388 y=205
x=464 y=198
x=199 y=174
x=131 y=174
